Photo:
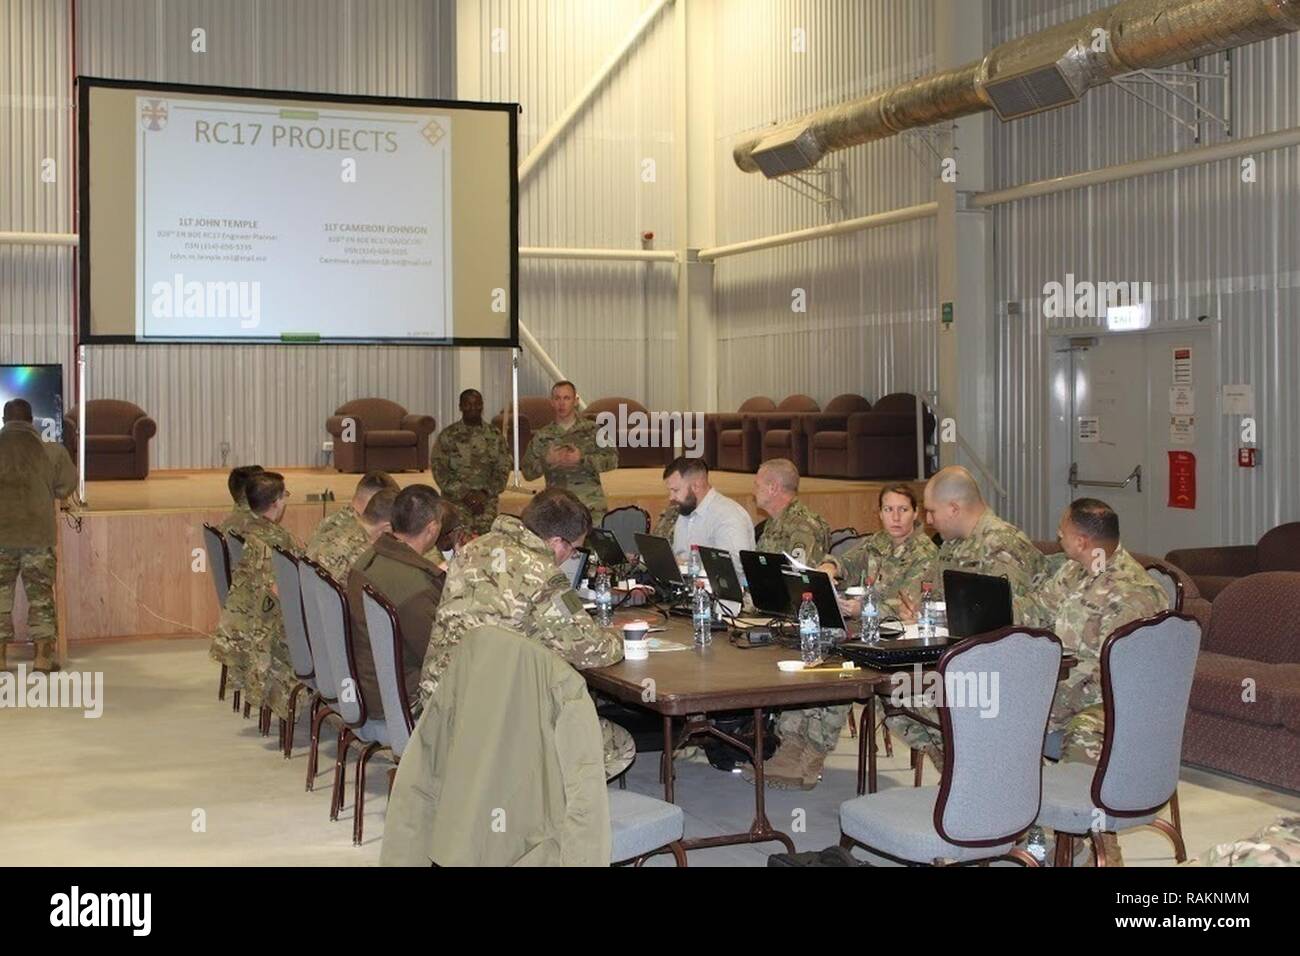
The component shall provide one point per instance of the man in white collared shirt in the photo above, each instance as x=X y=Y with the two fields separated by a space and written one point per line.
x=705 y=515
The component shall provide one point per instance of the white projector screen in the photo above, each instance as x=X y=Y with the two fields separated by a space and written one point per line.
x=223 y=215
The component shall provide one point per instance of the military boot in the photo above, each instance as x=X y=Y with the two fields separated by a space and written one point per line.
x=785 y=771
x=811 y=766
x=44 y=657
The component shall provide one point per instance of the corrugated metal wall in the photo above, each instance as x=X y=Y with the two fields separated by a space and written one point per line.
x=270 y=403
x=609 y=326
x=1210 y=244
x=871 y=297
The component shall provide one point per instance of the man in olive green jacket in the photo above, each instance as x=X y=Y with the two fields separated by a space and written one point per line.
x=34 y=474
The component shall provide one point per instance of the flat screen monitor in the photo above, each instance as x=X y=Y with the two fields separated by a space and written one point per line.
x=42 y=386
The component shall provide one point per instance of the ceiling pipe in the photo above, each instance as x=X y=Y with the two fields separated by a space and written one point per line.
x=1042 y=71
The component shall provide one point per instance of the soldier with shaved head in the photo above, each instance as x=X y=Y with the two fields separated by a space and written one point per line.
x=791 y=527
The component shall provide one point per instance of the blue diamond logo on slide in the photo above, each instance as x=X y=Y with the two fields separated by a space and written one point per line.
x=153 y=115
x=433 y=132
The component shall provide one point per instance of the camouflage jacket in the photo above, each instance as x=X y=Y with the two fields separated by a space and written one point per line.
x=798 y=531
x=337 y=542
x=993 y=547
x=469 y=458
x=34 y=474
x=1278 y=844
x=1082 y=607
x=252 y=606
x=895 y=568
x=509 y=577
x=239 y=520
x=583 y=479
x=667 y=520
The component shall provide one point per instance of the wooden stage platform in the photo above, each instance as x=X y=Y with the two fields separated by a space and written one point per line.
x=135 y=566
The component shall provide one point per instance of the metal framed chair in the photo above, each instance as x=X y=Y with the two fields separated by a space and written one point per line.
x=235 y=545
x=839 y=535
x=1164 y=576
x=351 y=705
x=1146 y=680
x=214 y=543
x=625 y=522
x=384 y=629
x=288 y=583
x=992 y=775
x=846 y=543
x=325 y=699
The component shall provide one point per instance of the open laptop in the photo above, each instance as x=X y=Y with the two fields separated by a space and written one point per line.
x=975 y=603
x=721 y=571
x=575 y=568
x=764 y=575
x=602 y=543
x=823 y=592
x=657 y=553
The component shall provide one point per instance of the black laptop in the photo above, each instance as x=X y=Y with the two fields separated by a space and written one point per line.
x=765 y=578
x=975 y=603
x=602 y=543
x=657 y=553
x=721 y=571
x=823 y=593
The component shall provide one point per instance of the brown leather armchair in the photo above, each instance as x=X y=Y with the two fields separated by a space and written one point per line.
x=873 y=444
x=117 y=439
x=384 y=436
x=644 y=456
x=779 y=441
x=731 y=438
x=1215 y=568
x=535 y=413
x=778 y=433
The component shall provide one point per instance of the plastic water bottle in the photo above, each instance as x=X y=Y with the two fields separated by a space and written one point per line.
x=604 y=598
x=870 y=613
x=925 y=618
x=694 y=568
x=1036 y=844
x=810 y=630
x=702 y=614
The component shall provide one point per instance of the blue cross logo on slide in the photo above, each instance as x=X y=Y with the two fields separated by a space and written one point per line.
x=153 y=115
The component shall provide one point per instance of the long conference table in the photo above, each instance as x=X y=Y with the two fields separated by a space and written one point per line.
x=689 y=685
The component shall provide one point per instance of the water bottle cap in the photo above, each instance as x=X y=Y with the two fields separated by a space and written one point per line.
x=927 y=586
x=699 y=583
x=807 y=595
x=602 y=570
x=695 y=547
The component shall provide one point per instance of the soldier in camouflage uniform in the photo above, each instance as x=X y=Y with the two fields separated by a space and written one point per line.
x=336 y=548
x=1278 y=844
x=511 y=576
x=34 y=474
x=791 y=527
x=471 y=464
x=342 y=532
x=666 y=522
x=240 y=517
x=251 y=628
x=897 y=558
x=976 y=540
x=567 y=453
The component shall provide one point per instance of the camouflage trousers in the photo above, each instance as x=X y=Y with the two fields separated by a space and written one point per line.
x=480 y=523
x=230 y=648
x=819 y=727
x=1278 y=844
x=37 y=567
x=620 y=748
x=1084 y=732
x=268 y=679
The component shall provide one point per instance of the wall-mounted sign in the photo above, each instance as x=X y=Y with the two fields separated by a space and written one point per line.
x=1089 y=430
x=1182 y=480
x=1182 y=430
x=1182 y=365
x=1182 y=400
x=1239 y=399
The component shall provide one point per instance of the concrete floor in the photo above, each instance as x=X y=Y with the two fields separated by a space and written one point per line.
x=127 y=789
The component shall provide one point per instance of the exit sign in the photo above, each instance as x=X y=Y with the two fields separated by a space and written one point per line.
x=946 y=316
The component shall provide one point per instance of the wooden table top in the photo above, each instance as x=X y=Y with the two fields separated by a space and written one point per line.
x=724 y=677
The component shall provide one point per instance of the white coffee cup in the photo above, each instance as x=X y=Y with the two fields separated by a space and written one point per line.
x=636 y=643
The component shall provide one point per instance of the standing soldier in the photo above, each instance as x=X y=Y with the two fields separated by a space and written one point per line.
x=471 y=463
x=511 y=576
x=251 y=627
x=566 y=452
x=791 y=527
x=34 y=474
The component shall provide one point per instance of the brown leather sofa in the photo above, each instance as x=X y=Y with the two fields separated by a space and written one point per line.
x=1194 y=603
x=385 y=437
x=779 y=433
x=872 y=444
x=629 y=457
x=779 y=440
x=1243 y=717
x=535 y=413
x=117 y=439
x=730 y=440
x=1215 y=568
